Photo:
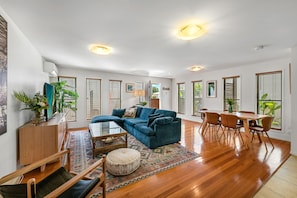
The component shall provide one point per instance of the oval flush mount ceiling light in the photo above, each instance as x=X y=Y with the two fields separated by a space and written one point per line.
x=195 y=68
x=190 y=31
x=100 y=49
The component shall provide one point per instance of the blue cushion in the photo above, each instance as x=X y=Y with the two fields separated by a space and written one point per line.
x=138 y=111
x=133 y=121
x=162 y=121
x=152 y=117
x=141 y=127
x=118 y=112
x=145 y=112
x=166 y=112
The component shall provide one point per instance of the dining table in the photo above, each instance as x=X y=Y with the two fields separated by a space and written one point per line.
x=245 y=117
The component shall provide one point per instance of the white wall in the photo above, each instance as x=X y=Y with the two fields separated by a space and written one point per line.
x=24 y=73
x=128 y=99
x=248 y=90
x=294 y=99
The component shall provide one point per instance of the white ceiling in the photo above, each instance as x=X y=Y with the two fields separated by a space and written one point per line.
x=141 y=32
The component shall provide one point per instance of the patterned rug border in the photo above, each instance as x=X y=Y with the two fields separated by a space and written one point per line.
x=85 y=154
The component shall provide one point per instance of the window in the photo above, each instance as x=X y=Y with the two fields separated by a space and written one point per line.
x=232 y=91
x=181 y=97
x=114 y=94
x=93 y=94
x=197 y=97
x=71 y=85
x=269 y=96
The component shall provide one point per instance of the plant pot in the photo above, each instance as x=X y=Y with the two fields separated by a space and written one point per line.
x=38 y=118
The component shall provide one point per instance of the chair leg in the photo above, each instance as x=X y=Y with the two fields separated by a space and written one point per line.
x=206 y=129
x=264 y=142
x=269 y=139
x=201 y=125
x=223 y=133
x=259 y=137
x=253 y=132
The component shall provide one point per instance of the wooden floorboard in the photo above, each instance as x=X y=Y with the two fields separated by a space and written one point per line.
x=221 y=171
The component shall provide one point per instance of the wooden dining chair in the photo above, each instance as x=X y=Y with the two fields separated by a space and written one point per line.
x=266 y=126
x=202 y=117
x=213 y=122
x=230 y=123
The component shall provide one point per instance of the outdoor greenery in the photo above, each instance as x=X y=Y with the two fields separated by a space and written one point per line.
x=155 y=89
x=270 y=107
x=267 y=106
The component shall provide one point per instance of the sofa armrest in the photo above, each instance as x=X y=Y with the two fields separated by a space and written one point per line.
x=170 y=131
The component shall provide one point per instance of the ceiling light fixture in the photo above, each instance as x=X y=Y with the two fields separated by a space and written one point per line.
x=195 y=68
x=100 y=49
x=190 y=31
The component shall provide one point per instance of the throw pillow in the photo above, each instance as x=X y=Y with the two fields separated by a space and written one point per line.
x=162 y=121
x=130 y=113
x=152 y=117
x=118 y=112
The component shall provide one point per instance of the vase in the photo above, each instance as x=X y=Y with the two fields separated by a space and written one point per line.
x=38 y=118
x=230 y=109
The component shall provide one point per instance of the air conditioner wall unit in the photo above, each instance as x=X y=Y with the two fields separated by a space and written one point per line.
x=50 y=68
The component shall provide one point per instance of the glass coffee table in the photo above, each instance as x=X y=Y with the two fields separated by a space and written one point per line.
x=107 y=136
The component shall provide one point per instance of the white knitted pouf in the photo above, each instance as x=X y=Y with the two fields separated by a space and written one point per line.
x=122 y=161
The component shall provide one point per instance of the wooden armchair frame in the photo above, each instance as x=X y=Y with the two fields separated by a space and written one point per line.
x=58 y=191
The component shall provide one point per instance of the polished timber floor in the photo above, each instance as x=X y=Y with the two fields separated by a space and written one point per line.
x=225 y=169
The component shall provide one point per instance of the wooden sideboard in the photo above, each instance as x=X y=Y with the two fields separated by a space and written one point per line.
x=39 y=141
x=155 y=103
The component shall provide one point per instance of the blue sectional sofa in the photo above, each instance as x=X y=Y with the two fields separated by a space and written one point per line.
x=152 y=127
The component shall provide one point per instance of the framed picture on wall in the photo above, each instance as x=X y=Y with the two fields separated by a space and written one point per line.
x=3 y=75
x=211 y=89
x=130 y=87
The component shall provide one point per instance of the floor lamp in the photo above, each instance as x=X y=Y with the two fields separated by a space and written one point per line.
x=139 y=93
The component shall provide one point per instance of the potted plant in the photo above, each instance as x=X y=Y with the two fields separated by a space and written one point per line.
x=65 y=98
x=230 y=103
x=35 y=104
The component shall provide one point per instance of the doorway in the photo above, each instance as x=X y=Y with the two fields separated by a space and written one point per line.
x=156 y=96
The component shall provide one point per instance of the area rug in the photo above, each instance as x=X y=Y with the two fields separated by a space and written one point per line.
x=153 y=161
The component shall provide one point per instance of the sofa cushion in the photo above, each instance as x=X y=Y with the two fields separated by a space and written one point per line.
x=130 y=113
x=143 y=128
x=166 y=112
x=138 y=111
x=118 y=112
x=162 y=121
x=133 y=121
x=145 y=112
x=152 y=117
